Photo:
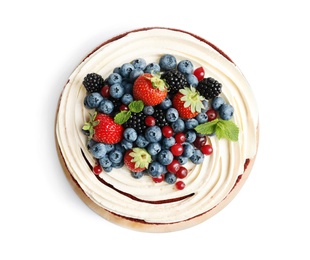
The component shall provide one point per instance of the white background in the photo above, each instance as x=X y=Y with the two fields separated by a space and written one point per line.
x=42 y=42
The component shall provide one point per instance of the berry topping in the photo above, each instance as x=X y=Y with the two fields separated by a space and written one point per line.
x=137 y=159
x=180 y=185
x=175 y=80
x=93 y=82
x=150 y=89
x=209 y=88
x=199 y=73
x=154 y=119
x=188 y=102
x=103 y=129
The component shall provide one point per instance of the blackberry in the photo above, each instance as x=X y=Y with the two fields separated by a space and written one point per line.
x=160 y=117
x=93 y=82
x=175 y=80
x=209 y=88
x=136 y=121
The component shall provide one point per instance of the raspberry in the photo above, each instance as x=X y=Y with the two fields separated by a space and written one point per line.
x=93 y=82
x=209 y=88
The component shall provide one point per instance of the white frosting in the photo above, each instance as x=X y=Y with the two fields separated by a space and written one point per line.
x=210 y=182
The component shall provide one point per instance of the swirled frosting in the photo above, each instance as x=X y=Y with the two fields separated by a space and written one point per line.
x=207 y=184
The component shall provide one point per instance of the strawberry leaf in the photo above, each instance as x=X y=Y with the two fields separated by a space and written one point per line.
x=121 y=117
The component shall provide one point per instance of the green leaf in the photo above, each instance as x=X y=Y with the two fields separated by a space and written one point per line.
x=207 y=128
x=227 y=129
x=136 y=106
x=121 y=117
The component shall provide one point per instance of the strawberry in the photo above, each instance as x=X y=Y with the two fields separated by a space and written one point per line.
x=137 y=159
x=103 y=129
x=188 y=102
x=150 y=89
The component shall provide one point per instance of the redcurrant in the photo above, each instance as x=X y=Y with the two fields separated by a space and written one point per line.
x=105 y=91
x=174 y=166
x=211 y=113
x=180 y=137
x=206 y=149
x=199 y=73
x=182 y=172
x=97 y=169
x=167 y=131
x=150 y=121
x=180 y=185
x=176 y=149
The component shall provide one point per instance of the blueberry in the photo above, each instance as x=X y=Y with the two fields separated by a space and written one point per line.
x=109 y=147
x=166 y=103
x=197 y=157
x=153 y=134
x=165 y=157
x=135 y=74
x=106 y=106
x=201 y=118
x=115 y=156
x=130 y=134
x=117 y=70
x=93 y=100
x=125 y=70
x=98 y=150
x=117 y=90
x=206 y=105
x=185 y=67
x=127 y=87
x=188 y=150
x=119 y=147
x=154 y=148
x=139 y=64
x=118 y=165
x=170 y=178
x=190 y=136
x=108 y=169
x=137 y=175
x=191 y=123
x=91 y=143
x=152 y=68
x=226 y=111
x=167 y=62
x=155 y=169
x=114 y=78
x=127 y=98
x=191 y=80
x=148 y=110
x=217 y=102
x=178 y=125
x=105 y=162
x=141 y=141
x=172 y=114
x=168 y=142
x=126 y=144
x=182 y=160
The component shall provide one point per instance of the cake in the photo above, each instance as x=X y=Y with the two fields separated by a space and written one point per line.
x=142 y=199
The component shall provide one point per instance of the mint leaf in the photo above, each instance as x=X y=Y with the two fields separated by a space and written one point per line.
x=136 y=106
x=207 y=128
x=227 y=129
x=121 y=117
